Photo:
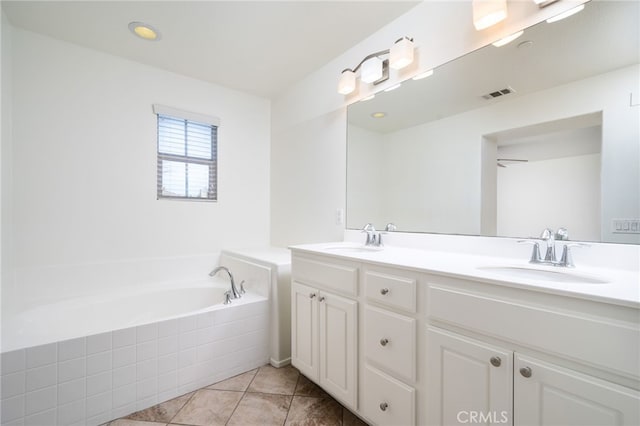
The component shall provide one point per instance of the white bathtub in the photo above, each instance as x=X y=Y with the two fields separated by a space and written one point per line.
x=112 y=311
x=92 y=359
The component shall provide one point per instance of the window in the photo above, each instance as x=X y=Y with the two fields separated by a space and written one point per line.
x=187 y=155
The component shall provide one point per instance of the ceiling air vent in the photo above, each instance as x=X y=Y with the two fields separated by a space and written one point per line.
x=498 y=93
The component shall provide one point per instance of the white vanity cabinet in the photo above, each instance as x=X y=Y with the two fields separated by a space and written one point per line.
x=467 y=378
x=548 y=395
x=389 y=345
x=406 y=345
x=581 y=342
x=324 y=328
x=470 y=381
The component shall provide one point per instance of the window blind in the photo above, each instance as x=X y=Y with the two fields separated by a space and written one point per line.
x=187 y=159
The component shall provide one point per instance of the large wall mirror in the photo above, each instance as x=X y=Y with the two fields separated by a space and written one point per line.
x=506 y=141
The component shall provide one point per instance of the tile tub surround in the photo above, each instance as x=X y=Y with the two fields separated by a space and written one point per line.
x=265 y=396
x=91 y=380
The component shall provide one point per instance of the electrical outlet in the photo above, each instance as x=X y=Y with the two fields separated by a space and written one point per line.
x=339 y=216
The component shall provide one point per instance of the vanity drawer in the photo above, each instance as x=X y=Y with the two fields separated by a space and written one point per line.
x=338 y=276
x=387 y=401
x=391 y=290
x=390 y=342
x=581 y=335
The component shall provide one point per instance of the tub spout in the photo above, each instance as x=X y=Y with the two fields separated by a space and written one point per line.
x=235 y=294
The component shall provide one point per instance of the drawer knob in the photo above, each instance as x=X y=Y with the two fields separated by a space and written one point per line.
x=384 y=291
x=321 y=299
x=526 y=372
x=495 y=361
x=312 y=295
x=384 y=406
x=384 y=341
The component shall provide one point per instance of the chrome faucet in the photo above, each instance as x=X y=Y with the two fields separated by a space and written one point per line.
x=550 y=258
x=549 y=237
x=235 y=294
x=374 y=239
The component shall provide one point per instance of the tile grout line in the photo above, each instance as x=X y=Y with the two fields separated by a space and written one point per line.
x=181 y=407
x=295 y=388
x=244 y=393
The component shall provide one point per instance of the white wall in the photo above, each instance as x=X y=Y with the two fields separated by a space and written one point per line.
x=84 y=165
x=5 y=154
x=442 y=30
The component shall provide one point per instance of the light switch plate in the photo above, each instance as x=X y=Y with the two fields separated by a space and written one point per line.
x=626 y=226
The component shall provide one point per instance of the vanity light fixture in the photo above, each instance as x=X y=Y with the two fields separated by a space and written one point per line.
x=422 y=75
x=401 y=53
x=566 y=14
x=374 y=68
x=144 y=31
x=394 y=87
x=487 y=13
x=508 y=39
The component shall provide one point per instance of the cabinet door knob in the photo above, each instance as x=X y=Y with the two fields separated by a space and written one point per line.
x=321 y=299
x=384 y=341
x=384 y=291
x=495 y=361
x=384 y=406
x=526 y=372
x=312 y=295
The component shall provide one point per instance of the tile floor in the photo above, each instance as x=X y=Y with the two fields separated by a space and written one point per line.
x=265 y=396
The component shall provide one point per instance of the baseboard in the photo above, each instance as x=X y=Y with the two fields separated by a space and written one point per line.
x=281 y=363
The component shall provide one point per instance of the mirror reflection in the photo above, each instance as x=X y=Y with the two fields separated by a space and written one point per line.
x=506 y=141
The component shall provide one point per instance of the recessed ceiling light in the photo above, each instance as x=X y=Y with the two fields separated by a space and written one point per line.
x=144 y=31
x=379 y=114
x=525 y=44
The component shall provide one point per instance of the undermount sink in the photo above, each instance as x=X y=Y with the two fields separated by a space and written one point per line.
x=352 y=248
x=559 y=276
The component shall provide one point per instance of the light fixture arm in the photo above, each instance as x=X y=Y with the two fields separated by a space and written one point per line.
x=376 y=54
x=366 y=58
x=374 y=68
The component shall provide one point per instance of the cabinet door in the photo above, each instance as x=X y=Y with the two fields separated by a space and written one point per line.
x=468 y=381
x=304 y=330
x=545 y=394
x=338 y=342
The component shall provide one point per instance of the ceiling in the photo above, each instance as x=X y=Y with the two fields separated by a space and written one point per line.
x=259 y=47
x=603 y=37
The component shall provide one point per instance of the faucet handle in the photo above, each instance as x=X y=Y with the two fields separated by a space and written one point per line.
x=369 y=228
x=242 y=290
x=546 y=234
x=566 y=259
x=372 y=236
x=535 y=252
x=391 y=227
x=562 y=234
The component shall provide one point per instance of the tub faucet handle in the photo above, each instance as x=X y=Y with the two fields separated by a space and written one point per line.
x=227 y=297
x=242 y=290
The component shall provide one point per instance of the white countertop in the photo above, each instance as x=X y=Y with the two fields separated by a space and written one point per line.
x=622 y=287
